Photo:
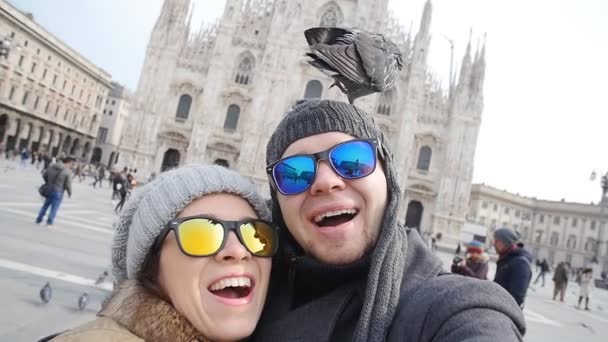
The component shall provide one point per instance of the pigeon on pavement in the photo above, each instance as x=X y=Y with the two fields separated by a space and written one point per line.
x=83 y=300
x=46 y=292
x=101 y=278
x=360 y=62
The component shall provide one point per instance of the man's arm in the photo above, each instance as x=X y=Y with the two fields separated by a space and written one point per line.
x=45 y=175
x=452 y=308
x=478 y=324
x=68 y=183
x=519 y=279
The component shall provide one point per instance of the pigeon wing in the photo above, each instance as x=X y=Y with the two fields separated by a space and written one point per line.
x=344 y=59
x=329 y=35
x=373 y=53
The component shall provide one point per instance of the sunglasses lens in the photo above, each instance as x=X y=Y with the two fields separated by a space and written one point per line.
x=354 y=159
x=200 y=237
x=294 y=174
x=259 y=238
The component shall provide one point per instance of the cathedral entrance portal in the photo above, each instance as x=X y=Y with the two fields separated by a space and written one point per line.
x=413 y=218
x=97 y=152
x=170 y=160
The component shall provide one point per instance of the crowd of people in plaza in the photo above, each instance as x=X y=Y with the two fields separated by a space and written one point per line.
x=59 y=172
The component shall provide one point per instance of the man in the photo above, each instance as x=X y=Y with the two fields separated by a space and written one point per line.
x=560 y=280
x=544 y=268
x=347 y=271
x=59 y=178
x=513 y=269
x=475 y=264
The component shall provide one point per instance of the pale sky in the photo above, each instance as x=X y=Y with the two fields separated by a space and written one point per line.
x=545 y=113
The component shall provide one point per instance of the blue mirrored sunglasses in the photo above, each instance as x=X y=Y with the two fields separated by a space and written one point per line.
x=351 y=159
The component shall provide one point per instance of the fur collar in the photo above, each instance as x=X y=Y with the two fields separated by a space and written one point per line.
x=147 y=315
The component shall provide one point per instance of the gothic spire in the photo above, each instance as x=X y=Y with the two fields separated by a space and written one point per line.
x=425 y=23
x=465 y=69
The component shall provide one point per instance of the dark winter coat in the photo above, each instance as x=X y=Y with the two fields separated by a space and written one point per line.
x=513 y=273
x=58 y=177
x=560 y=276
x=310 y=301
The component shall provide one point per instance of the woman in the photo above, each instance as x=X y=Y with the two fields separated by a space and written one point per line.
x=191 y=255
x=123 y=187
x=476 y=262
x=586 y=284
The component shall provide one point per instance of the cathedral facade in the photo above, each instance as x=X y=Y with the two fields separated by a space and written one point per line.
x=215 y=96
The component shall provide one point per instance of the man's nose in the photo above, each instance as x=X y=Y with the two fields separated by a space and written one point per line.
x=327 y=180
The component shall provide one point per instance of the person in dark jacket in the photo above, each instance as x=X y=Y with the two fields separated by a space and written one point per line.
x=560 y=280
x=59 y=178
x=544 y=268
x=123 y=186
x=513 y=269
x=347 y=270
x=475 y=264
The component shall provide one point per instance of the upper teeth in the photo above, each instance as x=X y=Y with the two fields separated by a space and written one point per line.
x=318 y=218
x=230 y=282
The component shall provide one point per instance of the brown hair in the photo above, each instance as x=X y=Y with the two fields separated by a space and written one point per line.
x=148 y=276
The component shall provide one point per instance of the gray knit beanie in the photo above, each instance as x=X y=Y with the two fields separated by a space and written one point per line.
x=311 y=117
x=150 y=208
x=506 y=235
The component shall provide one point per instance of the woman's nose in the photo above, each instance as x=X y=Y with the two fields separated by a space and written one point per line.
x=233 y=250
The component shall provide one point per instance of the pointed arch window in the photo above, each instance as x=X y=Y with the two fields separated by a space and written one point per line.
x=384 y=105
x=183 y=107
x=331 y=17
x=314 y=90
x=244 y=72
x=424 y=158
x=232 y=118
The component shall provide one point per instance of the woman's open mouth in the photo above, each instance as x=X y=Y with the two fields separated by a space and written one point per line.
x=233 y=288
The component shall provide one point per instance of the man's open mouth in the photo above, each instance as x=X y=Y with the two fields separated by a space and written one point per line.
x=335 y=218
x=235 y=287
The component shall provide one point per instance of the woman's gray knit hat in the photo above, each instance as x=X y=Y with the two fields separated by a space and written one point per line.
x=311 y=117
x=150 y=208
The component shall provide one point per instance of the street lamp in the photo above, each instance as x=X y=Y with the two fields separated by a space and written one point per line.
x=603 y=200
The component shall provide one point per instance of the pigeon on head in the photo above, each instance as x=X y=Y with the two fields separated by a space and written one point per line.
x=360 y=62
x=46 y=292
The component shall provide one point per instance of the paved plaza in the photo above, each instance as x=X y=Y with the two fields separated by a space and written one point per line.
x=73 y=253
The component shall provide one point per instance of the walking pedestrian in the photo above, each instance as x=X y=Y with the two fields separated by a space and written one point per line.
x=544 y=268
x=101 y=174
x=513 y=269
x=124 y=187
x=560 y=280
x=59 y=179
x=586 y=284
x=24 y=157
